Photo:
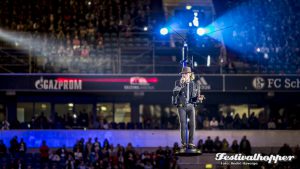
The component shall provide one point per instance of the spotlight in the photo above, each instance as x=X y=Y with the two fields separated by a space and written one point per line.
x=164 y=31
x=188 y=7
x=266 y=56
x=74 y=116
x=200 y=31
x=145 y=28
x=208 y=61
x=195 y=64
x=258 y=50
x=89 y=3
x=103 y=108
x=196 y=19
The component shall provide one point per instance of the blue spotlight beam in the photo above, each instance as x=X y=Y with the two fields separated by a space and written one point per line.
x=164 y=31
x=201 y=31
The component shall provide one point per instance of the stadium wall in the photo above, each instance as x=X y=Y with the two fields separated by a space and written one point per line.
x=150 y=138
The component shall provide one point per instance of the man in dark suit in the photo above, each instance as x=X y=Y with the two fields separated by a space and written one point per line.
x=185 y=94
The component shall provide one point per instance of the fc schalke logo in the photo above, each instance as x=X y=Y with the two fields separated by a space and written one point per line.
x=258 y=83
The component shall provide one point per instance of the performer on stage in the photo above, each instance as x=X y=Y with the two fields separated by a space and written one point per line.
x=186 y=94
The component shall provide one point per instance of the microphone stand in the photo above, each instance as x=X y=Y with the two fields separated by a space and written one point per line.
x=186 y=61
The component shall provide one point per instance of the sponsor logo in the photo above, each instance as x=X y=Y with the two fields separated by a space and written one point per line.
x=203 y=84
x=58 y=84
x=138 y=83
x=258 y=83
x=286 y=83
x=240 y=159
x=275 y=83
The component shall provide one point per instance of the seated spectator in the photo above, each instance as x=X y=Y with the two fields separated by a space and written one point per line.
x=244 y=122
x=148 y=165
x=206 y=123
x=214 y=124
x=225 y=146
x=106 y=125
x=42 y=122
x=62 y=153
x=262 y=120
x=106 y=144
x=5 y=125
x=272 y=124
x=160 y=157
x=22 y=147
x=85 y=52
x=76 y=42
x=3 y=149
x=44 y=150
x=176 y=147
x=120 y=154
x=208 y=145
x=20 y=164
x=280 y=123
x=88 y=147
x=237 y=122
x=82 y=165
x=285 y=150
x=96 y=146
x=200 y=145
x=229 y=121
x=70 y=163
x=217 y=144
x=245 y=146
x=235 y=146
x=14 y=146
x=221 y=123
x=54 y=157
x=129 y=157
x=78 y=156
x=253 y=121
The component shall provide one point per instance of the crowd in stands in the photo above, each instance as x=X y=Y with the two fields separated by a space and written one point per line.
x=95 y=154
x=237 y=122
x=167 y=121
x=265 y=34
x=68 y=36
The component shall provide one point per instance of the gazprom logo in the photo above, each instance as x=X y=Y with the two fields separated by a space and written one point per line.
x=258 y=83
x=57 y=84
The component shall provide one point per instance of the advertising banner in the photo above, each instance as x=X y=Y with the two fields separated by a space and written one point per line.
x=146 y=83
x=105 y=83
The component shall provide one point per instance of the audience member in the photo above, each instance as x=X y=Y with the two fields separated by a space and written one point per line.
x=214 y=124
x=3 y=149
x=245 y=146
x=44 y=150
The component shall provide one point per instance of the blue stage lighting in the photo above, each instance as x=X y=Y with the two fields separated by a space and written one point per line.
x=188 y=7
x=201 y=31
x=164 y=31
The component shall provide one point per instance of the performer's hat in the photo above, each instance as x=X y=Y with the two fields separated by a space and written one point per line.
x=186 y=70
